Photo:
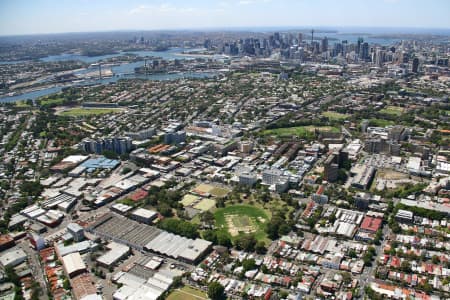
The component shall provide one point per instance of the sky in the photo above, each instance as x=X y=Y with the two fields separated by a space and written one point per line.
x=57 y=16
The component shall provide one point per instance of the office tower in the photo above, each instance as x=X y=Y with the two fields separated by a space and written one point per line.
x=299 y=38
x=331 y=169
x=324 y=45
x=364 y=51
x=358 y=47
x=415 y=65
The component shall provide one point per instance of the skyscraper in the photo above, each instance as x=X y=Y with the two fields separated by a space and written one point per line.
x=324 y=46
x=415 y=65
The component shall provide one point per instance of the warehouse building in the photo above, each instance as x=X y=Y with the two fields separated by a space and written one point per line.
x=116 y=252
x=143 y=215
x=148 y=238
x=13 y=257
x=73 y=264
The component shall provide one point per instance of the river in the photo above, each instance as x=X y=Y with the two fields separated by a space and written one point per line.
x=123 y=71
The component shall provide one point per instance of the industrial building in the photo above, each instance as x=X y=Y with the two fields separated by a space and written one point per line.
x=116 y=252
x=13 y=257
x=73 y=264
x=148 y=238
x=143 y=215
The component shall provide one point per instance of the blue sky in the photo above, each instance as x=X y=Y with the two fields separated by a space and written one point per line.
x=51 y=16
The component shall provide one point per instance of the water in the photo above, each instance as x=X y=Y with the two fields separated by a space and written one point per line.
x=123 y=71
x=47 y=91
x=170 y=54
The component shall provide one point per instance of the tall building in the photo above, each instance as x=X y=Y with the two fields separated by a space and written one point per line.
x=119 y=145
x=364 y=51
x=271 y=176
x=299 y=38
x=331 y=169
x=177 y=137
x=324 y=46
x=415 y=65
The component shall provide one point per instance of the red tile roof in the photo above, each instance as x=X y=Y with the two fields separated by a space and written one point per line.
x=371 y=224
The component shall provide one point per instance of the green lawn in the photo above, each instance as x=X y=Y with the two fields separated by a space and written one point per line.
x=300 y=131
x=75 y=112
x=243 y=215
x=187 y=293
x=392 y=110
x=22 y=104
x=332 y=115
x=380 y=122
x=219 y=192
x=49 y=101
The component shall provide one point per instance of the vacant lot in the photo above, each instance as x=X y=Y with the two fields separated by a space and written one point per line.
x=187 y=293
x=238 y=219
x=300 y=131
x=76 y=112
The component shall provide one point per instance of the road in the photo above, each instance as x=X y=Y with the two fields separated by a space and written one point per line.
x=36 y=267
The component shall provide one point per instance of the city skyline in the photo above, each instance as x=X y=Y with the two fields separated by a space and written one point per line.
x=49 y=16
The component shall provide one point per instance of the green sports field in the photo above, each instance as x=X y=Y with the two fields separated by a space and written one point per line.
x=76 y=112
x=300 y=131
x=187 y=293
x=239 y=219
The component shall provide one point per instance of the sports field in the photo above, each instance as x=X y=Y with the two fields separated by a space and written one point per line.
x=187 y=293
x=392 y=110
x=205 y=204
x=189 y=199
x=380 y=122
x=213 y=190
x=300 y=131
x=332 y=115
x=77 y=112
x=239 y=219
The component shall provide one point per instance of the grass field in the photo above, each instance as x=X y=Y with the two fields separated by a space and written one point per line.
x=219 y=192
x=380 y=122
x=22 y=104
x=187 y=293
x=205 y=204
x=332 y=115
x=301 y=131
x=392 y=110
x=242 y=218
x=216 y=191
x=49 y=101
x=76 y=112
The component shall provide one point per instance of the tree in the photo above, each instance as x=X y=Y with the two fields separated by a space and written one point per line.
x=66 y=284
x=165 y=210
x=246 y=242
x=248 y=264
x=31 y=188
x=260 y=247
x=216 y=291
x=223 y=239
x=126 y=170
x=210 y=235
x=110 y=154
x=405 y=266
x=180 y=227
x=352 y=253
x=207 y=217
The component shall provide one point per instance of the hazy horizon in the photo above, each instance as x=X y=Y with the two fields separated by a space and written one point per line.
x=20 y=17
